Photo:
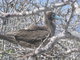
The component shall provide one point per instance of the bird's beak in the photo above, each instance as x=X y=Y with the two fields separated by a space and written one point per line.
x=58 y=17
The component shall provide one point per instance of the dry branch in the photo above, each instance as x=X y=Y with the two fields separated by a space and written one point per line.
x=52 y=42
x=28 y=13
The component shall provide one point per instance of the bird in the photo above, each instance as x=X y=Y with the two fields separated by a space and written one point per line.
x=34 y=35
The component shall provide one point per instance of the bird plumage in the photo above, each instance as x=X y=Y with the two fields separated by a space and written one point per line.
x=34 y=35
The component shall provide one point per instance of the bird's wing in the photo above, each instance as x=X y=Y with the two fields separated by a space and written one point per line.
x=30 y=36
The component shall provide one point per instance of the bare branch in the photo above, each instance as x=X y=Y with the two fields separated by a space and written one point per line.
x=28 y=13
x=68 y=22
x=70 y=51
x=51 y=43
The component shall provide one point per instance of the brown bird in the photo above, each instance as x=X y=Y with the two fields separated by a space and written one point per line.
x=34 y=35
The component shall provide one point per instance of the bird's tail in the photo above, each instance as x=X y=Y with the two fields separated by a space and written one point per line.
x=8 y=38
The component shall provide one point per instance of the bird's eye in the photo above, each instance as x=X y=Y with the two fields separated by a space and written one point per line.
x=53 y=15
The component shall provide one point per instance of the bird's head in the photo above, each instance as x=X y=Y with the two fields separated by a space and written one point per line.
x=52 y=16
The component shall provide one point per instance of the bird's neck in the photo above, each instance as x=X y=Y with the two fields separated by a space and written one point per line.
x=50 y=26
